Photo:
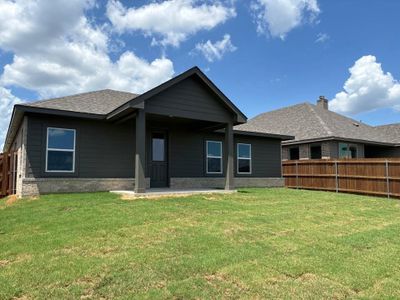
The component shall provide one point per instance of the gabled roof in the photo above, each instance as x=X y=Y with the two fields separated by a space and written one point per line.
x=98 y=102
x=108 y=104
x=195 y=71
x=308 y=122
x=391 y=131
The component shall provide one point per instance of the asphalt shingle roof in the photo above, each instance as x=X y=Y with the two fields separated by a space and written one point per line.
x=308 y=122
x=98 y=102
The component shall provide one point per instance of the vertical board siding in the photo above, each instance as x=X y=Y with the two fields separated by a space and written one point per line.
x=366 y=176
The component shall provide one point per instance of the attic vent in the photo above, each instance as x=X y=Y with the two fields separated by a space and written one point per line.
x=356 y=124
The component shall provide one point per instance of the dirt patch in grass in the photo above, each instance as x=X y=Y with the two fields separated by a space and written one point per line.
x=4 y=263
x=11 y=200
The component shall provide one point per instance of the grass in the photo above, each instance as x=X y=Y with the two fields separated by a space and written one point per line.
x=258 y=243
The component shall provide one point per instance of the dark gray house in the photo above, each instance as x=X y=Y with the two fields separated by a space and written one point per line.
x=322 y=134
x=180 y=134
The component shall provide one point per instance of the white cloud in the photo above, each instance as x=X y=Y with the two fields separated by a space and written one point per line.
x=7 y=102
x=322 y=38
x=58 y=51
x=169 y=22
x=367 y=88
x=215 y=51
x=278 y=17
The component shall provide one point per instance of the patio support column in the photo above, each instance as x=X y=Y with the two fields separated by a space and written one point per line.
x=140 y=180
x=229 y=184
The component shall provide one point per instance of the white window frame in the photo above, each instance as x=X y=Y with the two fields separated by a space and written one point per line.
x=246 y=158
x=60 y=150
x=213 y=156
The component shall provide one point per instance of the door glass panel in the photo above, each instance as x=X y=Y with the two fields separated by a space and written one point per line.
x=158 y=149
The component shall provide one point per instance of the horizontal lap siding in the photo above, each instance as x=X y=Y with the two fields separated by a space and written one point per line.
x=189 y=99
x=104 y=150
x=188 y=155
x=266 y=156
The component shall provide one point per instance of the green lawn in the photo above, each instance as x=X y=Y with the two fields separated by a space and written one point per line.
x=258 y=243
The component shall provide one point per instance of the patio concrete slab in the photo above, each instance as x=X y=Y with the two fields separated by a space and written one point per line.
x=165 y=192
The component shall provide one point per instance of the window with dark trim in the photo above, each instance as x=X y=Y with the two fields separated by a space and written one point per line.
x=294 y=153
x=243 y=158
x=60 y=150
x=315 y=152
x=347 y=150
x=214 y=157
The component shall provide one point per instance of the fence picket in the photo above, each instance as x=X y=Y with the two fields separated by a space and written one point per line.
x=366 y=176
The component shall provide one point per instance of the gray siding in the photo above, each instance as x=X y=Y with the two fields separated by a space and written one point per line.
x=103 y=150
x=106 y=150
x=188 y=155
x=189 y=99
x=266 y=156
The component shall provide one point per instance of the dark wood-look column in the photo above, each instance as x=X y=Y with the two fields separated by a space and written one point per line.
x=229 y=153
x=140 y=161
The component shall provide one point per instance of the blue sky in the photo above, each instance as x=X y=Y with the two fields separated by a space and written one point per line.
x=263 y=54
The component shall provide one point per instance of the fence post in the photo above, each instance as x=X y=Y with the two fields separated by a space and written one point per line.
x=387 y=178
x=297 y=175
x=336 y=177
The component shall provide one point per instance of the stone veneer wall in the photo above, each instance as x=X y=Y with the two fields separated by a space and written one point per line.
x=219 y=182
x=37 y=186
x=304 y=151
x=285 y=152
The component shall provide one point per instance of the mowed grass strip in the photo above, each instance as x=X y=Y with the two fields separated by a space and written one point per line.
x=257 y=243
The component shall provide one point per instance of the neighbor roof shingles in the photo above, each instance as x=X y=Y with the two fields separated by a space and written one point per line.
x=310 y=122
x=98 y=102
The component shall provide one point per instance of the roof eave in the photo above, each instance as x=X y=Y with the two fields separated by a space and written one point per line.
x=314 y=140
x=261 y=134
x=20 y=110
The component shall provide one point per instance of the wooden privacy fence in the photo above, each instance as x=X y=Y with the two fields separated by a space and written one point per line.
x=379 y=177
x=8 y=167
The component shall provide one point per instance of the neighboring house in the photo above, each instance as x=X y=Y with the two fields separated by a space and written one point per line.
x=180 y=134
x=323 y=134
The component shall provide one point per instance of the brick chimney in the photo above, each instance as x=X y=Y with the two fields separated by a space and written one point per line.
x=322 y=102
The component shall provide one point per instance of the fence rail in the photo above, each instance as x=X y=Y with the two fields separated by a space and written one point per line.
x=379 y=177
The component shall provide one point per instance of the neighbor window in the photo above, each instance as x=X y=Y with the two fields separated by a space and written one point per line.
x=214 y=157
x=353 y=151
x=294 y=153
x=347 y=150
x=316 y=152
x=60 y=150
x=244 y=158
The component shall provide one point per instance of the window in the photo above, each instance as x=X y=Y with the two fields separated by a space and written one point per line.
x=353 y=151
x=316 y=152
x=244 y=158
x=343 y=150
x=347 y=150
x=214 y=157
x=158 y=147
x=60 y=150
x=294 y=153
